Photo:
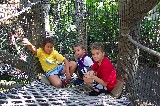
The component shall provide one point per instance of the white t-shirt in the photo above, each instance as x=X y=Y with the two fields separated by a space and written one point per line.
x=88 y=61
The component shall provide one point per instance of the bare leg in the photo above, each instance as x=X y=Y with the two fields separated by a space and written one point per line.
x=88 y=81
x=55 y=81
x=72 y=67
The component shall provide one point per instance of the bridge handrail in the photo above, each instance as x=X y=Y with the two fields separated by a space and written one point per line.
x=156 y=53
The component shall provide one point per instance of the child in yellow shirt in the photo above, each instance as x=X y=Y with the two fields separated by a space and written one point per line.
x=48 y=58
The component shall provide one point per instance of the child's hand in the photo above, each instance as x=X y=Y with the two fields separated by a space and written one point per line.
x=89 y=74
x=26 y=42
x=29 y=45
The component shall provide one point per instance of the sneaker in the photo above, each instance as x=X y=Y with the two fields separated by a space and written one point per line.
x=78 y=82
x=94 y=93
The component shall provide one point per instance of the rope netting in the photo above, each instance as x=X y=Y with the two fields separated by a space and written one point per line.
x=41 y=94
x=19 y=84
x=136 y=42
x=16 y=60
x=143 y=79
x=139 y=46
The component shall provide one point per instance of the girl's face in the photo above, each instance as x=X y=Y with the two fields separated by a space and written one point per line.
x=79 y=52
x=97 y=55
x=48 y=48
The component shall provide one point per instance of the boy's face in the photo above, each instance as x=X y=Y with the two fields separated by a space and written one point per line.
x=48 y=48
x=97 y=55
x=79 y=52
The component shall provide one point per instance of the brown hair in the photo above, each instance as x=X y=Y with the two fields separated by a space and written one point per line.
x=80 y=45
x=47 y=40
x=98 y=46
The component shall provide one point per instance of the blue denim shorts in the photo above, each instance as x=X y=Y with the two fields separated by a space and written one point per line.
x=55 y=71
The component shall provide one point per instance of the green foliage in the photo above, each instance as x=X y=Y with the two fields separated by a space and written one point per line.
x=150 y=32
x=102 y=22
x=52 y=1
x=103 y=25
x=63 y=27
x=149 y=37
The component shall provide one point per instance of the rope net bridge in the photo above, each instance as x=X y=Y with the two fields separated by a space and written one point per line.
x=133 y=46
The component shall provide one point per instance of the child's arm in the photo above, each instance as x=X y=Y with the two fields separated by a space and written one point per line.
x=100 y=81
x=29 y=45
x=67 y=69
x=92 y=75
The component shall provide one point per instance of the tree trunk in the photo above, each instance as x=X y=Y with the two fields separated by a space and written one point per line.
x=80 y=16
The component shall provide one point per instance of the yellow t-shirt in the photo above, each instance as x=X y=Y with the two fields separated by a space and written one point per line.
x=49 y=61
